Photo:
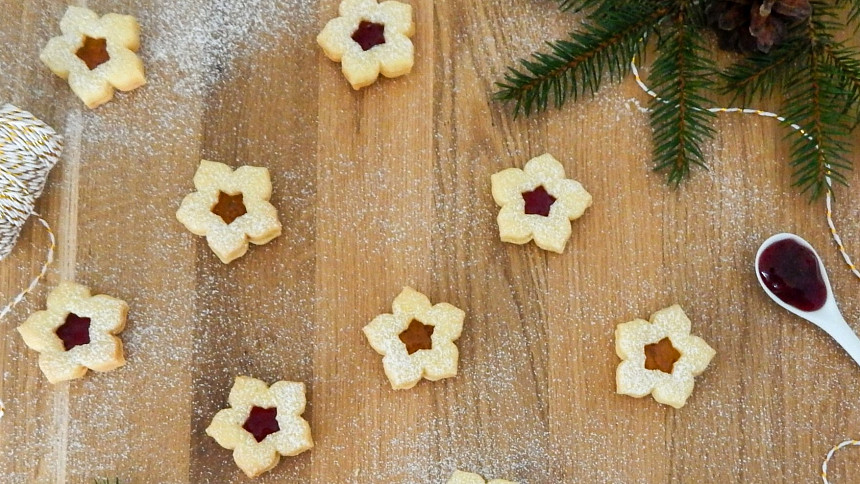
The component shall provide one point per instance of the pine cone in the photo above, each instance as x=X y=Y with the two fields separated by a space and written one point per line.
x=747 y=26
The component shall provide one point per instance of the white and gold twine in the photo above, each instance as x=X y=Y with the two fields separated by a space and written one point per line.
x=28 y=150
x=828 y=201
x=828 y=204
x=829 y=456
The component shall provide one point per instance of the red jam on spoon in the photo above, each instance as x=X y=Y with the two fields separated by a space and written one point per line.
x=538 y=201
x=791 y=272
x=74 y=332
x=262 y=422
x=369 y=34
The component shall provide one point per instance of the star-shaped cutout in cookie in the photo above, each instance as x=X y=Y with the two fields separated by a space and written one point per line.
x=660 y=357
x=96 y=54
x=262 y=424
x=538 y=203
x=398 y=338
x=230 y=208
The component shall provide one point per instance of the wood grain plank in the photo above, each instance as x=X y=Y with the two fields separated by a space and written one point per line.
x=387 y=187
x=255 y=316
x=30 y=449
x=136 y=156
x=374 y=219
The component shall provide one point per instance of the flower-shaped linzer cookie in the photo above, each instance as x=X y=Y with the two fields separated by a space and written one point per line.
x=76 y=333
x=230 y=208
x=96 y=54
x=369 y=38
x=460 y=477
x=538 y=203
x=417 y=340
x=660 y=357
x=262 y=424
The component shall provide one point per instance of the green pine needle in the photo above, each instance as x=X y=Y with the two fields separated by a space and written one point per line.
x=682 y=73
x=577 y=66
x=818 y=78
x=106 y=480
x=853 y=9
x=757 y=75
x=845 y=62
x=811 y=102
x=819 y=97
x=579 y=5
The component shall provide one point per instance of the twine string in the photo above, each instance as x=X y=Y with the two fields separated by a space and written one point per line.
x=827 y=204
x=49 y=258
x=828 y=201
x=829 y=456
x=28 y=150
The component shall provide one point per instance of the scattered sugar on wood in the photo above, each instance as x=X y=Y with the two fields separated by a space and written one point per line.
x=482 y=420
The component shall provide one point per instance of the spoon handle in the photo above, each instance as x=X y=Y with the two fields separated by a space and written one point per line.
x=845 y=336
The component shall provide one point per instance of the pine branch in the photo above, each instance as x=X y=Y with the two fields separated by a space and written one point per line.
x=846 y=63
x=757 y=75
x=824 y=155
x=576 y=66
x=853 y=10
x=579 y=5
x=681 y=74
x=818 y=77
x=815 y=100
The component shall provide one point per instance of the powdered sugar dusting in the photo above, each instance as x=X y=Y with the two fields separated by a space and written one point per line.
x=188 y=48
x=517 y=408
x=203 y=38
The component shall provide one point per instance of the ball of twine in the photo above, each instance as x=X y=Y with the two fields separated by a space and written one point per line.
x=28 y=150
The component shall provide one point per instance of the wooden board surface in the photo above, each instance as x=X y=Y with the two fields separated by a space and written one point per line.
x=390 y=187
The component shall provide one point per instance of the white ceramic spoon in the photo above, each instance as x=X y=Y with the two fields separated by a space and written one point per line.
x=828 y=316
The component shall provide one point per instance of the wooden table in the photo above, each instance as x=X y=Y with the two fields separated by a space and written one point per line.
x=390 y=187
